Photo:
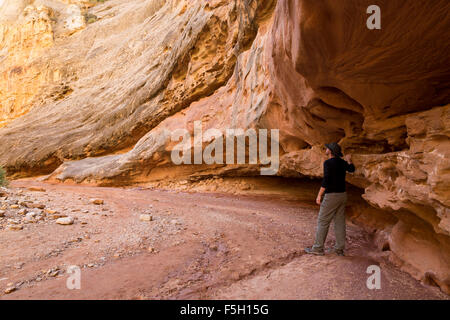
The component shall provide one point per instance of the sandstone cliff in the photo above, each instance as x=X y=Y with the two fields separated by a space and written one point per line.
x=89 y=92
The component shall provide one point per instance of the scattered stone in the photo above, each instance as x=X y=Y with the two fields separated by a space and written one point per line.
x=65 y=221
x=151 y=250
x=96 y=201
x=14 y=227
x=10 y=289
x=146 y=217
x=22 y=212
x=28 y=219
x=19 y=265
x=36 y=189
x=49 y=211
x=14 y=206
x=37 y=205
x=90 y=265
x=32 y=214
x=57 y=216
x=54 y=273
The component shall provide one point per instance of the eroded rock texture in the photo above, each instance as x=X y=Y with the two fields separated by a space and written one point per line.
x=95 y=103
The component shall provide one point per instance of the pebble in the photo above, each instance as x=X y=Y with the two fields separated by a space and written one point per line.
x=146 y=217
x=65 y=221
x=96 y=201
x=38 y=205
x=14 y=227
x=2 y=213
x=37 y=189
x=57 y=216
x=54 y=273
x=31 y=214
x=28 y=220
x=10 y=289
x=14 y=206
x=22 y=212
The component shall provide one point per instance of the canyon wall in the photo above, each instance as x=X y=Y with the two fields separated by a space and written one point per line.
x=90 y=94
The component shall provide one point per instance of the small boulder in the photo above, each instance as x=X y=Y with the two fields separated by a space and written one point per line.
x=37 y=205
x=146 y=217
x=96 y=201
x=36 y=189
x=14 y=227
x=65 y=221
x=28 y=219
x=9 y=290
x=31 y=214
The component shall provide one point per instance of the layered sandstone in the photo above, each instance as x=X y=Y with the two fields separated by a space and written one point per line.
x=97 y=104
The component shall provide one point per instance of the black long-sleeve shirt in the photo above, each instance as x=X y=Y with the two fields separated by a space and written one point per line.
x=334 y=171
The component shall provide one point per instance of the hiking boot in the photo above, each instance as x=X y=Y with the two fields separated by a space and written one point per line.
x=337 y=252
x=314 y=251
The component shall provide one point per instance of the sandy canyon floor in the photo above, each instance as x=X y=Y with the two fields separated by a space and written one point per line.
x=197 y=246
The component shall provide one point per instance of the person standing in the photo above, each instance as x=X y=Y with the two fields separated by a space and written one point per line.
x=333 y=204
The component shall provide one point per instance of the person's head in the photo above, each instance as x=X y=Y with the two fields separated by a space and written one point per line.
x=333 y=149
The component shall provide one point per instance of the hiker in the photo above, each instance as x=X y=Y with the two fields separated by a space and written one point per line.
x=333 y=204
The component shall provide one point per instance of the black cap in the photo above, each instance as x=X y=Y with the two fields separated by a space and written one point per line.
x=335 y=149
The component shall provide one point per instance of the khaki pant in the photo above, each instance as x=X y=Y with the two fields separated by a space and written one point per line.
x=332 y=206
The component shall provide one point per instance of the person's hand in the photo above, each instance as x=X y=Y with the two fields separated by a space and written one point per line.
x=319 y=200
x=348 y=158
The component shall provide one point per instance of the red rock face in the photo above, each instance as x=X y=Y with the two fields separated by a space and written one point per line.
x=346 y=78
x=383 y=95
x=311 y=69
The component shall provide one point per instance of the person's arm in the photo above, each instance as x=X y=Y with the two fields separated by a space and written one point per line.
x=350 y=165
x=325 y=183
x=319 y=196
